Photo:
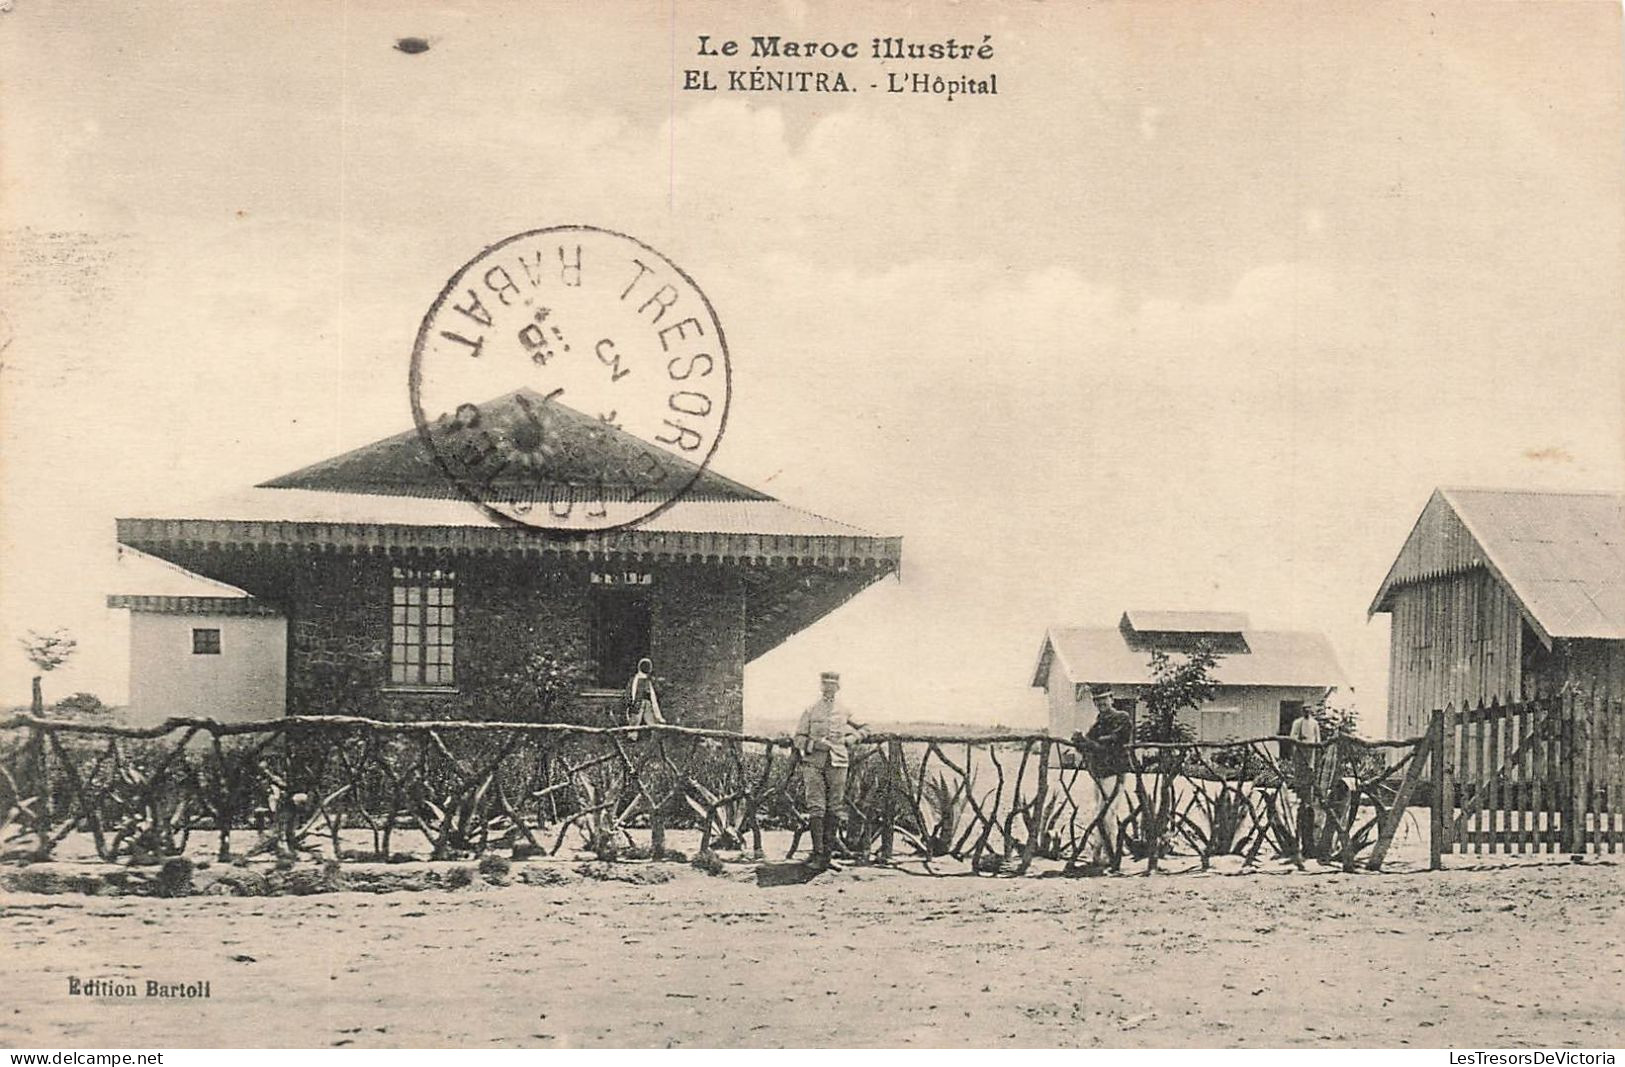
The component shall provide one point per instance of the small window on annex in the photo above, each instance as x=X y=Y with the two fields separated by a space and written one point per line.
x=205 y=642
x=422 y=614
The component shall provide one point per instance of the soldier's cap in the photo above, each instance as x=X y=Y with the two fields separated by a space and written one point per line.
x=829 y=676
x=1098 y=691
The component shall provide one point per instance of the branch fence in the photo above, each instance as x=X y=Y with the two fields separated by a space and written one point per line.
x=318 y=785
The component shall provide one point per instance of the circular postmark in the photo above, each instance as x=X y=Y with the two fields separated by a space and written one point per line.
x=572 y=379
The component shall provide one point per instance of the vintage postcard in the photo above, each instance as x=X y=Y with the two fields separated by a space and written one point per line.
x=664 y=524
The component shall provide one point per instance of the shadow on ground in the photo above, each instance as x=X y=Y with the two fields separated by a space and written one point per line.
x=776 y=874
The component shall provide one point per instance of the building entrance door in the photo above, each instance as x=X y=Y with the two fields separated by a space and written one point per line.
x=620 y=636
x=1290 y=710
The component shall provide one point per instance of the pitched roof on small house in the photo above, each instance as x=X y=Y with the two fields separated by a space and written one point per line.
x=395 y=493
x=1561 y=555
x=1120 y=655
x=148 y=584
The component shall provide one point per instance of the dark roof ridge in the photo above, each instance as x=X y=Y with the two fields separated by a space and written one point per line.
x=399 y=464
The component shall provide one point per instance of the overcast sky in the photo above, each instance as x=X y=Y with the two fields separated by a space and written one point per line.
x=1193 y=314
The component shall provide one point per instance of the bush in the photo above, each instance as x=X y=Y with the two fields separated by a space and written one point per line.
x=83 y=704
x=1233 y=763
x=607 y=847
x=458 y=877
x=708 y=862
x=174 y=877
x=495 y=866
x=543 y=875
x=538 y=687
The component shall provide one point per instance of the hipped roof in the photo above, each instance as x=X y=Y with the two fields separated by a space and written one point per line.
x=392 y=494
x=1561 y=555
x=561 y=446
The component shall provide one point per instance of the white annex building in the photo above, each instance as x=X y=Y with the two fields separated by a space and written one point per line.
x=1265 y=676
x=198 y=648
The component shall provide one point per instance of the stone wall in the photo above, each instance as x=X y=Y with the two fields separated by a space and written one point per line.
x=506 y=610
x=698 y=645
x=338 y=633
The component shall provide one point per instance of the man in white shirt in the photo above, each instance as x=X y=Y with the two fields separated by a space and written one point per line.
x=1302 y=765
x=824 y=736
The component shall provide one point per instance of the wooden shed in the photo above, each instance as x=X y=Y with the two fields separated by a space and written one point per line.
x=1505 y=595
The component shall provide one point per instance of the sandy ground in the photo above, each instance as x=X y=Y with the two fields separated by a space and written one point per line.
x=1528 y=953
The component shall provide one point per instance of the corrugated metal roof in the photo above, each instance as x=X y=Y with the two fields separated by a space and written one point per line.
x=1277 y=658
x=193 y=605
x=534 y=441
x=142 y=575
x=1562 y=555
x=394 y=495
x=1187 y=622
x=771 y=517
x=148 y=583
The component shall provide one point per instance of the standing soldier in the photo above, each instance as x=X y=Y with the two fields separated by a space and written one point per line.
x=1303 y=766
x=1105 y=753
x=824 y=736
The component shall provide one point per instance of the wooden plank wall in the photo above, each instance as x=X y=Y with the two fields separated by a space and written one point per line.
x=1455 y=640
x=1594 y=669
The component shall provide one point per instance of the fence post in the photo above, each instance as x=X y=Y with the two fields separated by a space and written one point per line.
x=657 y=829
x=893 y=757
x=1580 y=769
x=1035 y=829
x=1569 y=768
x=1424 y=760
x=45 y=811
x=289 y=816
x=1440 y=815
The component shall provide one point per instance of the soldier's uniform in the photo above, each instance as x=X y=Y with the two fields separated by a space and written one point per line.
x=824 y=736
x=1106 y=756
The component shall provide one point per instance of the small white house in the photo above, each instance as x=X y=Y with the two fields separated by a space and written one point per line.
x=198 y=648
x=1265 y=676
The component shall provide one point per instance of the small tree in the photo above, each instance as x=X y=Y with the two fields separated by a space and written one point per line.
x=1340 y=718
x=1337 y=720
x=46 y=652
x=1177 y=683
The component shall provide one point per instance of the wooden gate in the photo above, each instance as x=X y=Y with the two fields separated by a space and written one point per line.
x=1543 y=776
